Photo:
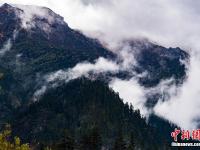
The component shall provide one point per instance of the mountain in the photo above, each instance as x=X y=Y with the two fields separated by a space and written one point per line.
x=35 y=42
x=26 y=54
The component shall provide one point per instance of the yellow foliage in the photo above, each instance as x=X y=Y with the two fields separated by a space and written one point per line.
x=6 y=144
x=47 y=148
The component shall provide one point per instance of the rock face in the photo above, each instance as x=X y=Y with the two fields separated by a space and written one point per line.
x=158 y=63
x=9 y=22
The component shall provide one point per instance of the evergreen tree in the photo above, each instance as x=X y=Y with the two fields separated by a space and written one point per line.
x=131 y=145
x=84 y=143
x=119 y=142
x=95 y=139
x=67 y=143
x=92 y=141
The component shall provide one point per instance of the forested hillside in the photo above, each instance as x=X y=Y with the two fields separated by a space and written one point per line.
x=88 y=114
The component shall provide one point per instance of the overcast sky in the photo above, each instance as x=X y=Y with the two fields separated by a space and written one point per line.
x=170 y=23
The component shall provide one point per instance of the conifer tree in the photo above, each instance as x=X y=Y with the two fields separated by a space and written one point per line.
x=92 y=141
x=67 y=143
x=119 y=142
x=131 y=145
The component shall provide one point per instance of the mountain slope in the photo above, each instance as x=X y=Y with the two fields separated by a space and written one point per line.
x=77 y=107
x=35 y=44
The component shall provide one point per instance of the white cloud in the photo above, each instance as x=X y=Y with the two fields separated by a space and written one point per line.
x=6 y=47
x=101 y=65
x=130 y=91
x=8 y=44
x=39 y=93
x=27 y=16
x=183 y=108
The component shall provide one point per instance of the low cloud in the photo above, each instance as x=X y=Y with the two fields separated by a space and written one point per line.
x=37 y=95
x=8 y=44
x=6 y=47
x=131 y=92
x=28 y=14
x=101 y=65
x=183 y=107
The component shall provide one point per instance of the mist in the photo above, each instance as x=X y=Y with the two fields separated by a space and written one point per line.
x=170 y=23
x=6 y=47
x=131 y=92
x=101 y=65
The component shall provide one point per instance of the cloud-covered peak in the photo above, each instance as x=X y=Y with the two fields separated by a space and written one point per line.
x=31 y=15
x=7 y=7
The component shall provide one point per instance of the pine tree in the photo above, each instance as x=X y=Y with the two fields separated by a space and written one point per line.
x=84 y=144
x=119 y=142
x=95 y=139
x=131 y=145
x=92 y=141
x=67 y=143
